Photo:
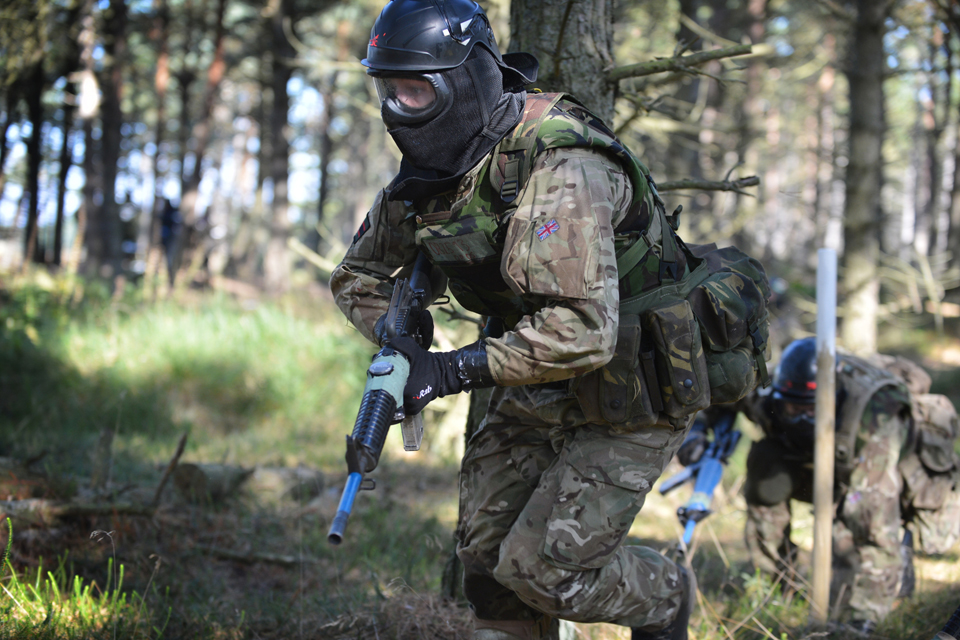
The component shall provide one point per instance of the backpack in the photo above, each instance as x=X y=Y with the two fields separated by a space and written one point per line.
x=930 y=467
x=693 y=325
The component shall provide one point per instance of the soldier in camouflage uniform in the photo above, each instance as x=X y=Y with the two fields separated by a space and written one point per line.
x=878 y=450
x=522 y=201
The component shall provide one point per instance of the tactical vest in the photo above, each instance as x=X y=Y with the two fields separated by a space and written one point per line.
x=859 y=381
x=465 y=238
x=693 y=321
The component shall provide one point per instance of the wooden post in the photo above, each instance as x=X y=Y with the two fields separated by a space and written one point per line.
x=824 y=448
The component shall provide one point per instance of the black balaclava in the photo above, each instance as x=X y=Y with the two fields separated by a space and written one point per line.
x=479 y=114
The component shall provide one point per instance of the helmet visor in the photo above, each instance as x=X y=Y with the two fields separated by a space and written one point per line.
x=410 y=98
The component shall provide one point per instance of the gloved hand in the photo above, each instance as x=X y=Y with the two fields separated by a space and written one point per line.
x=694 y=445
x=424 y=335
x=437 y=374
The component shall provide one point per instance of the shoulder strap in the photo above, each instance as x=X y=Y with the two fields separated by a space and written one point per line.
x=513 y=153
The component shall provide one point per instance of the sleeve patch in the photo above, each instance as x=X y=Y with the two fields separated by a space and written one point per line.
x=363 y=229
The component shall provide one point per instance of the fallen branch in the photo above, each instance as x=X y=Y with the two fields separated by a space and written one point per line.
x=679 y=63
x=45 y=512
x=208 y=483
x=708 y=185
x=251 y=557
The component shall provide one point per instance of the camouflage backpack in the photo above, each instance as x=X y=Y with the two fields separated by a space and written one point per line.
x=693 y=320
x=930 y=467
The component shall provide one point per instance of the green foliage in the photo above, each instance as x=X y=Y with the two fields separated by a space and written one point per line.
x=251 y=385
x=55 y=605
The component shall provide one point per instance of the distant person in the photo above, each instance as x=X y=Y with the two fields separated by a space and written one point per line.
x=895 y=466
x=171 y=225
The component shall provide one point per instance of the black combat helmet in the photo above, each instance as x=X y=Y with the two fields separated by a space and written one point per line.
x=796 y=375
x=433 y=35
x=412 y=40
x=447 y=95
x=795 y=389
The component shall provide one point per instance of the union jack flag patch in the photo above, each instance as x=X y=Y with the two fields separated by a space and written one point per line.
x=546 y=230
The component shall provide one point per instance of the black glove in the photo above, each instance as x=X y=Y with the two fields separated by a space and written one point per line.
x=434 y=375
x=424 y=335
x=694 y=445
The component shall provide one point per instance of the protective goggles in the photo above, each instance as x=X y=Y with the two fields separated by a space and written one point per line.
x=411 y=98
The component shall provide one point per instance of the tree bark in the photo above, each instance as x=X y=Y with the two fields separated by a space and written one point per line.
x=11 y=99
x=66 y=158
x=862 y=211
x=953 y=234
x=201 y=130
x=33 y=94
x=103 y=221
x=149 y=240
x=277 y=262
x=573 y=41
x=201 y=134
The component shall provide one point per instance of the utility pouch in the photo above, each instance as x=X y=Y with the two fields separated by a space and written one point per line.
x=680 y=361
x=935 y=419
x=617 y=393
x=731 y=308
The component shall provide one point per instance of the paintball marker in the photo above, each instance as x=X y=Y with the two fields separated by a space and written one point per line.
x=950 y=630
x=706 y=474
x=382 y=403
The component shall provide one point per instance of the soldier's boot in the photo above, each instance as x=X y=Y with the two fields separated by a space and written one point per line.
x=543 y=629
x=676 y=630
x=909 y=581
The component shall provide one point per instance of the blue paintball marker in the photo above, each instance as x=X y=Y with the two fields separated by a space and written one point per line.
x=705 y=473
x=382 y=402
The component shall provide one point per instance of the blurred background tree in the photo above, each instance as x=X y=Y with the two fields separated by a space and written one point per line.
x=254 y=119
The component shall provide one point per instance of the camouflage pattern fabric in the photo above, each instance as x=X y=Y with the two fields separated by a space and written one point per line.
x=524 y=499
x=546 y=502
x=566 y=271
x=866 y=543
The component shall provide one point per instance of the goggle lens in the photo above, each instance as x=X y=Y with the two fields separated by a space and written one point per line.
x=411 y=94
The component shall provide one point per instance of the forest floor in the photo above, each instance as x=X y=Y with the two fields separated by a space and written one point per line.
x=262 y=387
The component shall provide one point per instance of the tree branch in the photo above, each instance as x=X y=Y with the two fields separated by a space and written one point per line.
x=837 y=10
x=708 y=185
x=679 y=63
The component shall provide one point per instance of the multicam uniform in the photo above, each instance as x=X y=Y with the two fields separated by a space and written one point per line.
x=547 y=497
x=875 y=446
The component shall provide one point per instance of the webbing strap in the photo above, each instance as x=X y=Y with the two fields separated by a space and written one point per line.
x=759 y=345
x=631 y=257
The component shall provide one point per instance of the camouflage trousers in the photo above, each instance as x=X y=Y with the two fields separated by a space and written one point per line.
x=867 y=565
x=546 y=502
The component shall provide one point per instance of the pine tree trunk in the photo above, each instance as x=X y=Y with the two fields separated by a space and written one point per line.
x=862 y=213
x=276 y=264
x=33 y=93
x=66 y=156
x=573 y=41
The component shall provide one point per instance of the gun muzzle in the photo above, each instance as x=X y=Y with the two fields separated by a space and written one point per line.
x=339 y=526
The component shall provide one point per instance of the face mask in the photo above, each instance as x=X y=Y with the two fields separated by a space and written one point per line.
x=447 y=121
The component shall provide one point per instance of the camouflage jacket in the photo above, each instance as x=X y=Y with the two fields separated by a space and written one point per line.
x=544 y=262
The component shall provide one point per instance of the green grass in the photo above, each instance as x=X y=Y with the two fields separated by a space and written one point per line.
x=57 y=604
x=251 y=387
x=278 y=384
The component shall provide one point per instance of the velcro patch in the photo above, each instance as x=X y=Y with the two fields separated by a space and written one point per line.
x=548 y=229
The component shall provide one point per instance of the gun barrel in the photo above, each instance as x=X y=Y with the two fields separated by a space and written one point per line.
x=339 y=525
x=950 y=630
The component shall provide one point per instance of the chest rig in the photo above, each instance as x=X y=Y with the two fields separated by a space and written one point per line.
x=463 y=233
